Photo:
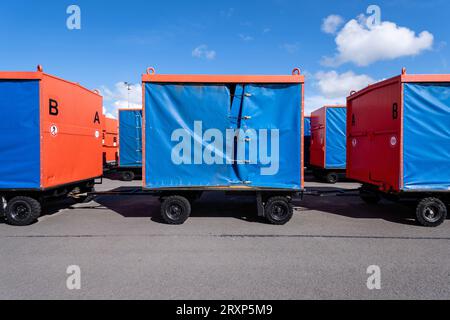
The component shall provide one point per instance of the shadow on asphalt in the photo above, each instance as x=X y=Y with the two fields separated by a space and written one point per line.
x=351 y=206
x=211 y=205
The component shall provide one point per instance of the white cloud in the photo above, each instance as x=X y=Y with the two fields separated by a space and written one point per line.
x=245 y=37
x=332 y=23
x=334 y=85
x=266 y=30
x=358 y=43
x=121 y=97
x=202 y=52
x=315 y=102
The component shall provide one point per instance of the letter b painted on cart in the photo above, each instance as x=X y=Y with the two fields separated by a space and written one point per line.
x=74 y=20
x=74 y=280
x=374 y=280
x=53 y=107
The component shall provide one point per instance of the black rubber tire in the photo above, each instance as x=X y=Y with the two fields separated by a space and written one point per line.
x=278 y=210
x=128 y=176
x=2 y=210
x=22 y=211
x=431 y=212
x=331 y=178
x=175 y=210
x=369 y=197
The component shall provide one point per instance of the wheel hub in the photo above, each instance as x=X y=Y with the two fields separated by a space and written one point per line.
x=279 y=211
x=20 y=211
x=175 y=211
x=431 y=214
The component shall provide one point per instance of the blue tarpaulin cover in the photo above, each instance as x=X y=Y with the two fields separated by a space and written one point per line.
x=307 y=141
x=19 y=135
x=426 y=137
x=130 y=138
x=307 y=128
x=222 y=135
x=336 y=139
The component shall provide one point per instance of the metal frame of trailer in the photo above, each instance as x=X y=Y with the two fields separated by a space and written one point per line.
x=267 y=200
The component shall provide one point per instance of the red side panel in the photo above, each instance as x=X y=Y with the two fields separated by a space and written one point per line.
x=374 y=135
x=318 y=138
x=71 y=133
x=110 y=139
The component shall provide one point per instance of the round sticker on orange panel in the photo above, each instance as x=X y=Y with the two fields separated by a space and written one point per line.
x=54 y=130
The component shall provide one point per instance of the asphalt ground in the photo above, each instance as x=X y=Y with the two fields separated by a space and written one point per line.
x=124 y=251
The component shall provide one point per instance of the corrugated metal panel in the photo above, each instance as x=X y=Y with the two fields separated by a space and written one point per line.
x=71 y=147
x=110 y=139
x=130 y=138
x=374 y=134
x=426 y=145
x=19 y=132
x=318 y=136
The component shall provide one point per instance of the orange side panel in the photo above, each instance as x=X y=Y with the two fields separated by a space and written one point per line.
x=71 y=133
x=110 y=139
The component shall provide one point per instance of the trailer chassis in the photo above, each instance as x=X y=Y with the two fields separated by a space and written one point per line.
x=22 y=207
x=176 y=205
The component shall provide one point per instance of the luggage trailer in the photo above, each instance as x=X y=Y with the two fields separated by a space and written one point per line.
x=48 y=125
x=398 y=143
x=328 y=143
x=130 y=144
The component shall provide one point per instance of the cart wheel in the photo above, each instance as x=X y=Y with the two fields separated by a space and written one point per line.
x=2 y=207
x=22 y=211
x=332 y=178
x=369 y=197
x=175 y=210
x=431 y=212
x=128 y=176
x=278 y=210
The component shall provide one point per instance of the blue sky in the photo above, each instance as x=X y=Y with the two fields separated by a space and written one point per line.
x=118 y=40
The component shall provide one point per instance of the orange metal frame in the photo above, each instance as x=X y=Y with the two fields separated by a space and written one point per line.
x=296 y=77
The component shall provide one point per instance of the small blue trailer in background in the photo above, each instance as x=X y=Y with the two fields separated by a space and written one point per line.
x=307 y=140
x=130 y=143
x=328 y=143
x=238 y=134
